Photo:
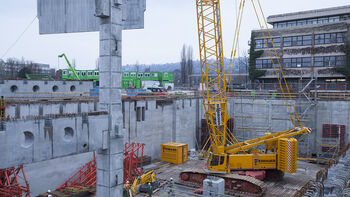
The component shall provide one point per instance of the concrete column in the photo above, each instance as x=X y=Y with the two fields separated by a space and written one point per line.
x=110 y=157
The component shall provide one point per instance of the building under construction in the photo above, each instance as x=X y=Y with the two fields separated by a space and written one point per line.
x=71 y=138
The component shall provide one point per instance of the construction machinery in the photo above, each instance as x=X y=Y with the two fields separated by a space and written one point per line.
x=227 y=155
x=70 y=66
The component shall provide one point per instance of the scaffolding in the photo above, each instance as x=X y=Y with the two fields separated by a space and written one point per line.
x=132 y=163
x=10 y=182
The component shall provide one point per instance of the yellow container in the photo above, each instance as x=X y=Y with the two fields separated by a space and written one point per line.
x=173 y=152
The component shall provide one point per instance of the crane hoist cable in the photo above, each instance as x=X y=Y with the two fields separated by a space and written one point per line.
x=274 y=66
x=290 y=96
x=236 y=36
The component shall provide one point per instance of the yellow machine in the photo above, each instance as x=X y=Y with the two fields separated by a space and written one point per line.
x=227 y=154
x=148 y=177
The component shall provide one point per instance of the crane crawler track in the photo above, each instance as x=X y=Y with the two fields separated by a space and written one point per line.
x=235 y=184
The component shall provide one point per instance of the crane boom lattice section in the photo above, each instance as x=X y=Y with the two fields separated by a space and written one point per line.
x=212 y=71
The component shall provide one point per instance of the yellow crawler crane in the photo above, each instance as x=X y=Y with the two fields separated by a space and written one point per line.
x=227 y=154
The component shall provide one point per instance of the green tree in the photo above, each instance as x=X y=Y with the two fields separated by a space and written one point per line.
x=253 y=55
x=345 y=70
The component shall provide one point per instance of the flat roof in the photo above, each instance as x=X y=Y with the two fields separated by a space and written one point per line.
x=340 y=10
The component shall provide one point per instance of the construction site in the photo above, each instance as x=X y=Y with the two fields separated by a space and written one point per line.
x=111 y=132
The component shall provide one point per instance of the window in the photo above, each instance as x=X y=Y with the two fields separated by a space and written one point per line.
x=334 y=19
x=166 y=74
x=96 y=73
x=330 y=38
x=306 y=62
x=258 y=64
x=154 y=74
x=77 y=72
x=132 y=74
x=318 y=61
x=340 y=60
x=292 y=24
x=64 y=72
x=287 y=62
x=322 y=20
x=90 y=73
x=126 y=74
x=83 y=73
x=297 y=41
x=259 y=44
x=319 y=39
x=301 y=23
x=287 y=41
x=140 y=114
x=139 y=74
x=307 y=40
x=70 y=73
x=147 y=74
x=329 y=61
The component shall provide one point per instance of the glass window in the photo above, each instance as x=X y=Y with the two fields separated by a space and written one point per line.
x=139 y=75
x=334 y=19
x=275 y=25
x=282 y=25
x=301 y=22
x=287 y=41
x=132 y=74
x=89 y=73
x=71 y=73
x=146 y=74
x=77 y=72
x=306 y=62
x=64 y=72
x=166 y=74
x=311 y=21
x=96 y=73
x=332 y=61
x=258 y=64
x=287 y=62
x=292 y=24
x=340 y=60
x=318 y=61
x=319 y=39
x=322 y=20
x=327 y=38
x=126 y=74
x=294 y=63
x=154 y=75
x=277 y=42
x=307 y=40
x=259 y=44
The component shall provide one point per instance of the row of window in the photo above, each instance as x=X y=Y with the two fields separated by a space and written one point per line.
x=312 y=21
x=324 y=61
x=305 y=40
x=82 y=73
x=143 y=74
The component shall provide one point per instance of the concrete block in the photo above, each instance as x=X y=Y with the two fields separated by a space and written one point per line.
x=213 y=186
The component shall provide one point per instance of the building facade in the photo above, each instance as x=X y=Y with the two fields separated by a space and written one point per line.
x=309 y=45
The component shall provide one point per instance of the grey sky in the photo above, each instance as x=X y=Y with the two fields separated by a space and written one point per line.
x=168 y=25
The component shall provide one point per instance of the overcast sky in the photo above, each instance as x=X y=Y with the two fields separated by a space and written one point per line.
x=168 y=25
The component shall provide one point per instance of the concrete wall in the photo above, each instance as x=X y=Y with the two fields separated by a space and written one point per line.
x=26 y=111
x=25 y=88
x=37 y=140
x=164 y=121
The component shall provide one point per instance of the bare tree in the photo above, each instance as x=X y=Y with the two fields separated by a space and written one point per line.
x=189 y=64
x=183 y=66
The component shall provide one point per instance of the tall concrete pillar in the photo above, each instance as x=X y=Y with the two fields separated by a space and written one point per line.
x=110 y=157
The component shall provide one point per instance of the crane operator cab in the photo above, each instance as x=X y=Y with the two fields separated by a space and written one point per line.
x=217 y=162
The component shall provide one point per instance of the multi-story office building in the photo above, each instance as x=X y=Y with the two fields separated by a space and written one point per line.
x=309 y=45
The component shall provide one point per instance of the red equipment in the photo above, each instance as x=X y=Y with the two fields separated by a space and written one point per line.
x=133 y=156
x=85 y=177
x=9 y=182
